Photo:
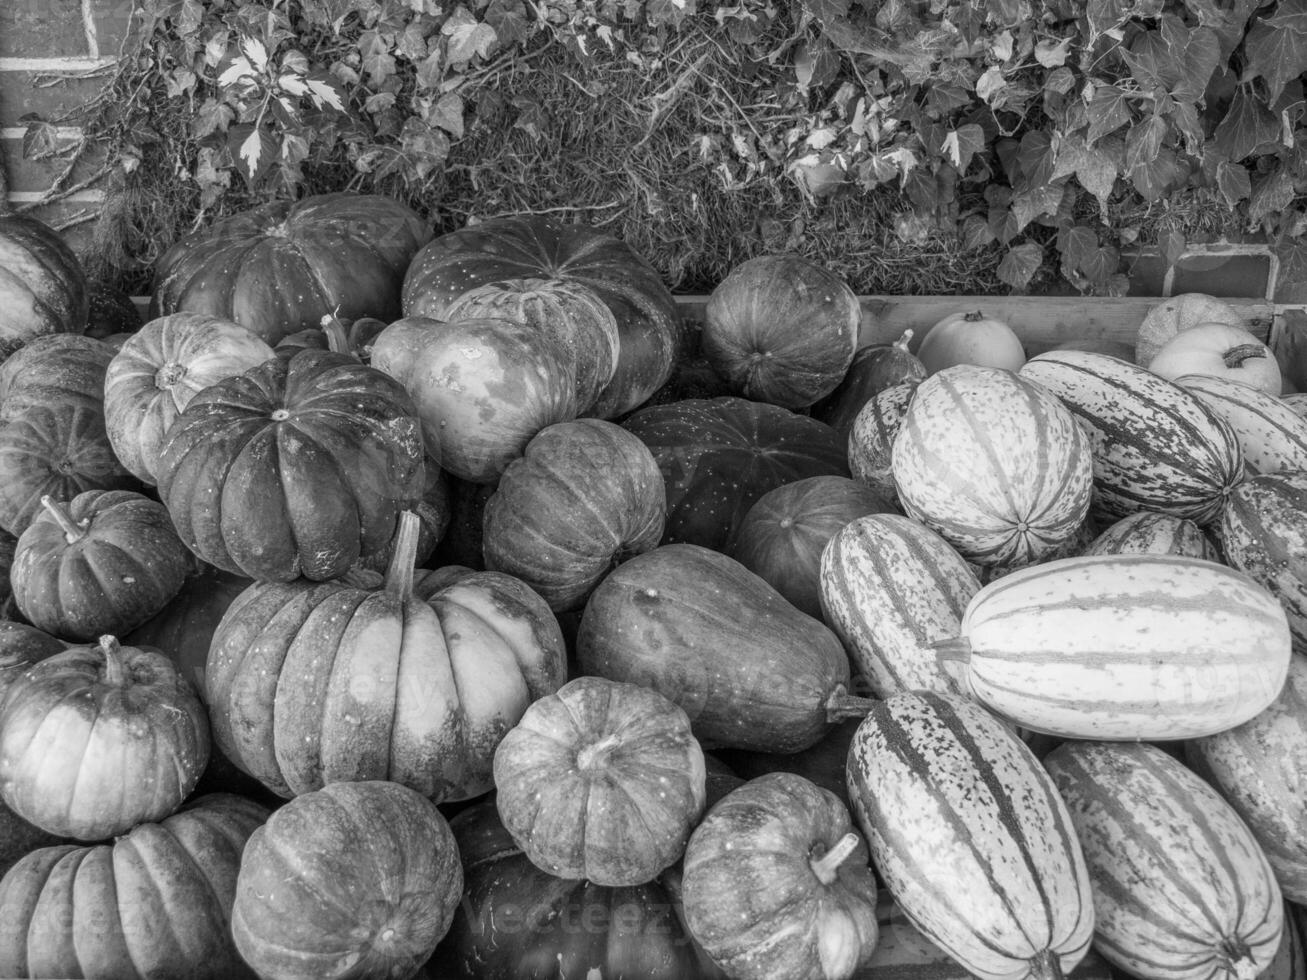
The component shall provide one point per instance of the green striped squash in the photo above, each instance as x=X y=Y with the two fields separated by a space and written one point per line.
x=994 y=463
x=1182 y=891
x=890 y=587
x=1261 y=769
x=1124 y=647
x=1263 y=531
x=1272 y=436
x=1155 y=446
x=971 y=837
x=1147 y=532
x=871 y=439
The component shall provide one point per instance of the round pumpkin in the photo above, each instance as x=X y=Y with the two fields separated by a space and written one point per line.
x=777 y=883
x=159 y=369
x=719 y=455
x=97 y=739
x=483 y=388
x=541 y=247
x=873 y=370
x=21 y=646
x=1148 y=532
x=355 y=880
x=517 y=921
x=871 y=438
x=283 y=266
x=994 y=463
x=1221 y=351
x=601 y=781
x=782 y=536
x=781 y=329
x=43 y=288
x=570 y=312
x=296 y=467
x=156 y=902
x=112 y=313
x=585 y=496
x=970 y=338
x=311 y=683
x=1176 y=314
x=103 y=562
x=56 y=368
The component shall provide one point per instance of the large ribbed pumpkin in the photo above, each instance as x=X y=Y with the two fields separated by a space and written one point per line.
x=282 y=267
x=1088 y=647
x=994 y=463
x=1155 y=445
x=357 y=881
x=295 y=468
x=971 y=837
x=585 y=496
x=55 y=368
x=311 y=683
x=1182 y=891
x=890 y=588
x=154 y=903
x=1261 y=769
x=540 y=247
x=159 y=369
x=43 y=289
x=719 y=455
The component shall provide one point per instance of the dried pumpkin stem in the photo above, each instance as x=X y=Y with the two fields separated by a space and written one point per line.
x=73 y=531
x=337 y=338
x=902 y=342
x=1235 y=356
x=827 y=867
x=592 y=756
x=115 y=674
x=842 y=706
x=399 y=574
x=1239 y=960
x=1045 y=965
x=975 y=317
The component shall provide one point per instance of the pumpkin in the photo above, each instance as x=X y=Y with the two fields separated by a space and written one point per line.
x=283 y=266
x=43 y=289
x=354 y=880
x=1147 y=532
x=294 y=468
x=1221 y=351
x=570 y=312
x=21 y=646
x=156 y=902
x=97 y=739
x=332 y=333
x=719 y=455
x=1181 y=888
x=159 y=369
x=970 y=836
x=585 y=496
x=873 y=370
x=516 y=922
x=781 y=329
x=541 y=247
x=970 y=338
x=1260 y=768
x=57 y=450
x=750 y=670
x=63 y=368
x=1176 y=314
x=777 y=883
x=782 y=536
x=104 y=562
x=311 y=683
x=483 y=388
x=871 y=438
x=995 y=464
x=111 y=312
x=601 y=781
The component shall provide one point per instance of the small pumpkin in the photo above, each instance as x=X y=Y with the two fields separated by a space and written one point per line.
x=781 y=329
x=103 y=562
x=585 y=496
x=1221 y=351
x=777 y=882
x=97 y=739
x=1172 y=316
x=43 y=288
x=355 y=880
x=601 y=781
x=871 y=438
x=57 y=368
x=970 y=338
x=873 y=370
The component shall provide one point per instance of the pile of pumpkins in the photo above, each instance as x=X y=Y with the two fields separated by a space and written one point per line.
x=391 y=605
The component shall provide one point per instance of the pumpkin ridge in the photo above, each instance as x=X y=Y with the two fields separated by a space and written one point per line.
x=142 y=959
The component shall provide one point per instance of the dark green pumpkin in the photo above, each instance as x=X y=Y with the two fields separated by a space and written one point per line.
x=54 y=369
x=21 y=646
x=43 y=288
x=111 y=313
x=874 y=369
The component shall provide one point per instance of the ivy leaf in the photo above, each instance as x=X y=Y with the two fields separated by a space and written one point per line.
x=1100 y=264
x=1052 y=54
x=1020 y=264
x=1202 y=55
x=238 y=70
x=1160 y=175
x=211 y=117
x=1108 y=111
x=1092 y=166
x=1233 y=182
x=1172 y=244
x=1027 y=205
x=976 y=233
x=1144 y=141
x=509 y=20
x=468 y=37
x=669 y=12
x=1036 y=158
x=963 y=143
x=432 y=71
x=1273 y=194
x=253 y=150
x=1290 y=15
x=1275 y=54
x=1006 y=13
x=447 y=114
x=256 y=54
x=1153 y=62
x=1247 y=127
x=1104 y=16
x=1075 y=243
x=990 y=83
x=325 y=91
x=425 y=148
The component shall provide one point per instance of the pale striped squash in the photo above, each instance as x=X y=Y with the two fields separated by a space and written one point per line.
x=1263 y=531
x=890 y=587
x=1124 y=647
x=970 y=836
x=1272 y=436
x=1261 y=769
x=1297 y=401
x=994 y=463
x=1150 y=533
x=1182 y=891
x=871 y=439
x=1155 y=446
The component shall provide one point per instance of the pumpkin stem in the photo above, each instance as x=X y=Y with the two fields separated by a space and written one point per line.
x=975 y=317
x=399 y=574
x=1045 y=965
x=337 y=338
x=115 y=675
x=952 y=648
x=73 y=531
x=592 y=756
x=1239 y=960
x=1235 y=356
x=841 y=706
x=902 y=342
x=827 y=867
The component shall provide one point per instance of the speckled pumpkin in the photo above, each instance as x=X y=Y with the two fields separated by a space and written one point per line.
x=52 y=369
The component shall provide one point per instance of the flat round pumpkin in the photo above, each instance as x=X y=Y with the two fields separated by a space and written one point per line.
x=43 y=289
x=54 y=368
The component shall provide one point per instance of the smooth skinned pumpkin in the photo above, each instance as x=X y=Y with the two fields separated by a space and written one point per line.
x=1222 y=351
x=54 y=368
x=43 y=288
x=970 y=338
x=1171 y=316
